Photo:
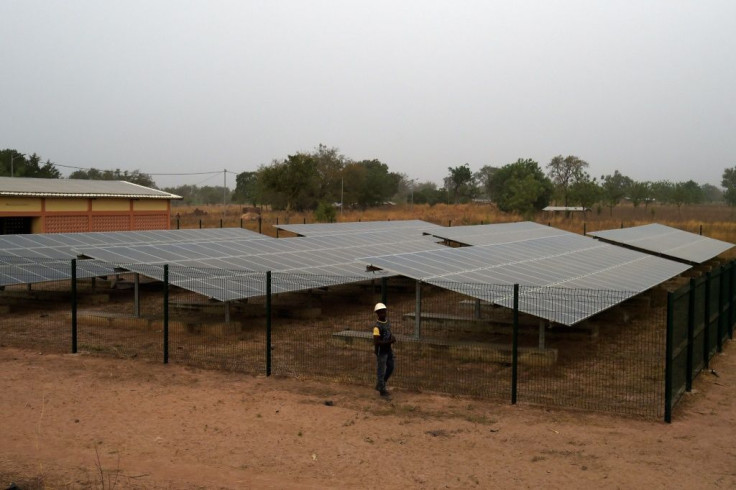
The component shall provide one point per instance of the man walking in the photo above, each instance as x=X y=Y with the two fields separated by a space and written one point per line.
x=382 y=340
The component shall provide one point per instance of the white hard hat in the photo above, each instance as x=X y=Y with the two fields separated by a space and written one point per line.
x=379 y=306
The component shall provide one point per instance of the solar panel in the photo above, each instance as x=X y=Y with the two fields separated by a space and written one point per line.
x=557 y=264
x=328 y=260
x=61 y=245
x=323 y=229
x=17 y=270
x=667 y=241
x=496 y=233
x=32 y=258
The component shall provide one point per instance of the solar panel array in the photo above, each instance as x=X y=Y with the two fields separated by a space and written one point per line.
x=26 y=259
x=559 y=263
x=230 y=263
x=666 y=241
x=328 y=260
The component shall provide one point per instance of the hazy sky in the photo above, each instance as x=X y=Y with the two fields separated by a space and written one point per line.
x=646 y=87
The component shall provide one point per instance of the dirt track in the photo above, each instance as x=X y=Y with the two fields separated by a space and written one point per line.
x=75 y=421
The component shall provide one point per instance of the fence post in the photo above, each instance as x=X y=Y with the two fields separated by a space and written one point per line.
x=220 y=222
x=585 y=229
x=200 y=223
x=690 y=335
x=721 y=302
x=241 y=221
x=706 y=331
x=260 y=220
x=177 y=221
x=268 y=323
x=731 y=299
x=166 y=313
x=418 y=310
x=668 y=360
x=515 y=347
x=74 y=306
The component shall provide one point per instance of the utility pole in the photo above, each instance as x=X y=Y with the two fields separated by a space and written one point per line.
x=224 y=192
x=13 y=157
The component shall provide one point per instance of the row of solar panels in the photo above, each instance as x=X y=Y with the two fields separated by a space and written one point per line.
x=227 y=264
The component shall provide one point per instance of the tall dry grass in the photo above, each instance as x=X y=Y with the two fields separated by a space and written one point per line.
x=714 y=221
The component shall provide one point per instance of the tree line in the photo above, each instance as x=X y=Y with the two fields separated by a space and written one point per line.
x=324 y=179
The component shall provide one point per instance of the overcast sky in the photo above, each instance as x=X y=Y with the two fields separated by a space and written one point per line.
x=646 y=87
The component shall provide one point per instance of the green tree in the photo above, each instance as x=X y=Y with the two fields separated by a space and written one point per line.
x=711 y=193
x=687 y=193
x=729 y=184
x=428 y=193
x=187 y=192
x=614 y=189
x=325 y=212
x=291 y=184
x=369 y=183
x=329 y=164
x=662 y=191
x=639 y=192
x=16 y=164
x=584 y=192
x=564 y=172
x=246 y=188
x=484 y=179
x=521 y=187
x=460 y=183
x=135 y=177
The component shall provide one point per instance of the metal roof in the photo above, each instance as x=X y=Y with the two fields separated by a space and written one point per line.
x=666 y=241
x=566 y=208
x=557 y=265
x=37 y=187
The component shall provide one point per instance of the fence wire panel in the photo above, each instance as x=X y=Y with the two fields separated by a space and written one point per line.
x=126 y=319
x=307 y=322
x=613 y=362
x=699 y=347
x=327 y=334
x=36 y=315
x=229 y=335
x=682 y=350
x=461 y=341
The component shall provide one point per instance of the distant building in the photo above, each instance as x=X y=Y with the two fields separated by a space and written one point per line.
x=565 y=209
x=30 y=205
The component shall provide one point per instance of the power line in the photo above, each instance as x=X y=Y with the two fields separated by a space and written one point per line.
x=147 y=173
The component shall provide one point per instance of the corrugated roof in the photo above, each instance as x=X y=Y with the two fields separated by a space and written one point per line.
x=36 y=187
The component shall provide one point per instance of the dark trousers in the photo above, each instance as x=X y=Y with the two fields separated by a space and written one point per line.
x=384 y=369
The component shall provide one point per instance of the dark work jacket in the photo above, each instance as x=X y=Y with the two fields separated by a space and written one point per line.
x=384 y=331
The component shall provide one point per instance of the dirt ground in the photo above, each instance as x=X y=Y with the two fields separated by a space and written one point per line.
x=77 y=421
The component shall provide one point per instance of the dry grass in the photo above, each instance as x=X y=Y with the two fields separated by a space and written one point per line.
x=715 y=221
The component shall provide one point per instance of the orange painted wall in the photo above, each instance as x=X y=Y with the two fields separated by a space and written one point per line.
x=61 y=215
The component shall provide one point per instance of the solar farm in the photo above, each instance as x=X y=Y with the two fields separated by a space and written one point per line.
x=517 y=311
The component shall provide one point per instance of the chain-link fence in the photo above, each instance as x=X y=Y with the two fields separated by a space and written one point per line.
x=448 y=342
